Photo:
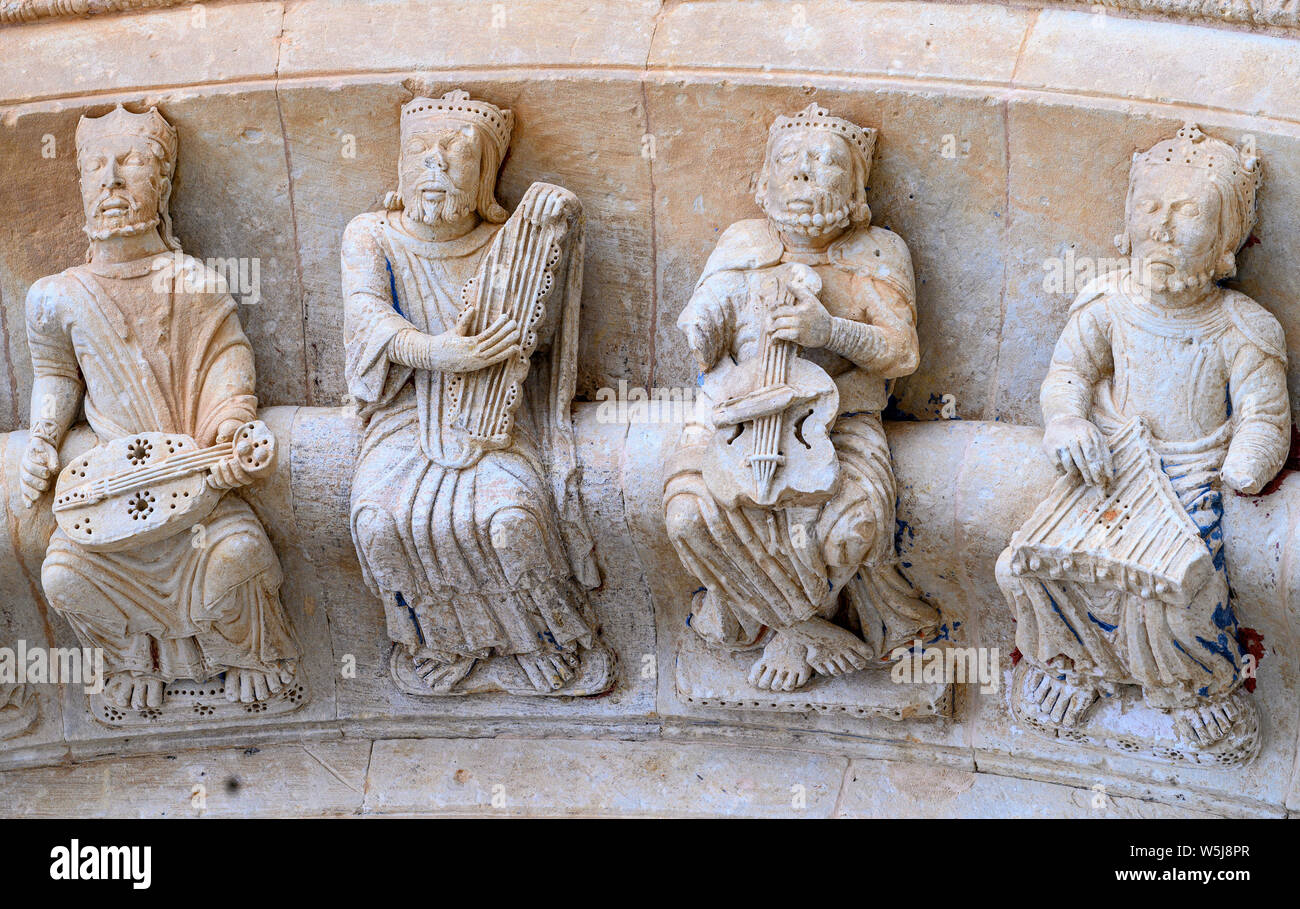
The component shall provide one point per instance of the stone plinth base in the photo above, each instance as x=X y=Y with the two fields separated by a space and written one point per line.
x=187 y=701
x=595 y=676
x=712 y=678
x=1127 y=725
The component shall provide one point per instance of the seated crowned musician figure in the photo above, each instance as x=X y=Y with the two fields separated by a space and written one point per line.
x=152 y=561
x=780 y=497
x=1166 y=391
x=461 y=328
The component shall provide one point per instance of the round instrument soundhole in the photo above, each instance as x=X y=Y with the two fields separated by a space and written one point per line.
x=140 y=506
x=138 y=451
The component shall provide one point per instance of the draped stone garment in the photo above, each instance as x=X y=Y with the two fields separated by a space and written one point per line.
x=765 y=567
x=1221 y=388
x=1178 y=654
x=434 y=537
x=776 y=567
x=155 y=355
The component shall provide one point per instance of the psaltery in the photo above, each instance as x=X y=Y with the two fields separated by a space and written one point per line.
x=1134 y=536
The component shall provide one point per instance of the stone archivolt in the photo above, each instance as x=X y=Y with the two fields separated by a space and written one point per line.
x=1277 y=13
x=783 y=579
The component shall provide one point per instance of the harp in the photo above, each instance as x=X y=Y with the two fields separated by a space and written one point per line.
x=1134 y=537
x=517 y=277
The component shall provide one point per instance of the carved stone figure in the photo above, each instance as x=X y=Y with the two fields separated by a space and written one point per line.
x=1165 y=390
x=461 y=328
x=153 y=561
x=780 y=498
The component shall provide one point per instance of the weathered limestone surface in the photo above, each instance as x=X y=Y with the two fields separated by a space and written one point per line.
x=1257 y=13
x=973 y=122
x=654 y=116
x=957 y=539
x=500 y=778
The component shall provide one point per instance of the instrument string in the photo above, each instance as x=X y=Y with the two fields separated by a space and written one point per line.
x=166 y=469
x=161 y=472
x=538 y=245
x=490 y=377
x=490 y=300
x=1139 y=538
x=776 y=358
x=501 y=295
x=482 y=306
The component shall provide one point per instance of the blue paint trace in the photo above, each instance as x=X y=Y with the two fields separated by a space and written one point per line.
x=392 y=287
x=1223 y=617
x=1057 y=608
x=1179 y=645
x=1220 y=647
x=1104 y=626
x=902 y=527
x=401 y=604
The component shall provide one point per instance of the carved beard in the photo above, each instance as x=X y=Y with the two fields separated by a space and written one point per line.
x=455 y=204
x=1174 y=281
x=105 y=227
x=813 y=223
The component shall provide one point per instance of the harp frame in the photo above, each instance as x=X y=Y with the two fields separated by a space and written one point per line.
x=517 y=277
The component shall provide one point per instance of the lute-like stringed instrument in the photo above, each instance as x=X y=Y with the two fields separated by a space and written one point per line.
x=148 y=486
x=771 y=445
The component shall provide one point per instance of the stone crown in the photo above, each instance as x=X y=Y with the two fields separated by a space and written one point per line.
x=863 y=138
x=121 y=122
x=1190 y=147
x=459 y=106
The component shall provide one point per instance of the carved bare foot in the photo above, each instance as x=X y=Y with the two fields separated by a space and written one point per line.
x=128 y=691
x=442 y=675
x=248 y=686
x=1207 y=724
x=1056 y=701
x=549 y=670
x=783 y=665
x=831 y=650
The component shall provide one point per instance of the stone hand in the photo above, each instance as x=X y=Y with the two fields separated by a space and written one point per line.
x=455 y=352
x=1240 y=475
x=1077 y=446
x=40 y=463
x=802 y=319
x=544 y=202
x=247 y=464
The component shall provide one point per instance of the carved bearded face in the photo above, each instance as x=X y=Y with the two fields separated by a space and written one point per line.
x=121 y=186
x=440 y=172
x=809 y=181
x=1173 y=226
